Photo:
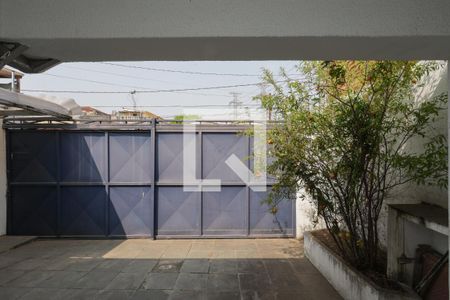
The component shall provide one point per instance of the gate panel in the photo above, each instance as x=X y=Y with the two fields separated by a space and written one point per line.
x=33 y=210
x=130 y=157
x=264 y=221
x=130 y=211
x=33 y=156
x=99 y=183
x=83 y=210
x=178 y=212
x=170 y=157
x=83 y=157
x=225 y=212
x=217 y=147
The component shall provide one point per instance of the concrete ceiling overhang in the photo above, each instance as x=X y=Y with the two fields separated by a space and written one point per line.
x=100 y=30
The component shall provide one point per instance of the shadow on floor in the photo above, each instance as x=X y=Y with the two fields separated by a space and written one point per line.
x=161 y=269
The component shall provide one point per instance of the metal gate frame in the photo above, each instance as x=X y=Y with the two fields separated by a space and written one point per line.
x=153 y=128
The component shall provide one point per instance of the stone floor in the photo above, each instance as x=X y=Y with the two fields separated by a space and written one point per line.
x=162 y=269
x=8 y=242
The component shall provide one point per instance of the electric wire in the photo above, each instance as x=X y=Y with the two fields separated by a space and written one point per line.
x=181 y=71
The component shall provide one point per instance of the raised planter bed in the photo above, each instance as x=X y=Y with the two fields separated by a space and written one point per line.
x=349 y=282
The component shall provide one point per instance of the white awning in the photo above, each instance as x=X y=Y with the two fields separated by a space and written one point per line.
x=60 y=108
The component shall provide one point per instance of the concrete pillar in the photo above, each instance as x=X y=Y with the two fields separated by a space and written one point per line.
x=395 y=238
x=3 y=187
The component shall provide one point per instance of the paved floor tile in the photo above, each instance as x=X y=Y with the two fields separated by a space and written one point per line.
x=43 y=294
x=114 y=295
x=303 y=266
x=160 y=281
x=249 y=254
x=285 y=281
x=96 y=280
x=223 y=282
x=315 y=285
x=227 y=266
x=193 y=282
x=63 y=279
x=151 y=294
x=28 y=264
x=6 y=261
x=9 y=242
x=79 y=294
x=7 y=275
x=83 y=264
x=256 y=282
x=288 y=295
x=112 y=265
x=168 y=266
x=10 y=293
x=58 y=264
x=259 y=295
x=175 y=253
x=31 y=279
x=126 y=281
x=195 y=266
x=140 y=266
x=251 y=266
x=223 y=254
x=150 y=253
x=223 y=295
x=187 y=295
x=200 y=254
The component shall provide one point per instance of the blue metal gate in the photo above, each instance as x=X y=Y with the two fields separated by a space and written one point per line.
x=124 y=183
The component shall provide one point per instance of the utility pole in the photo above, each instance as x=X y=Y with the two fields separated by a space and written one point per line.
x=235 y=103
x=132 y=93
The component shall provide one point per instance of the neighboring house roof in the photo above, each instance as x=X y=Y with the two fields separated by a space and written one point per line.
x=141 y=113
x=91 y=110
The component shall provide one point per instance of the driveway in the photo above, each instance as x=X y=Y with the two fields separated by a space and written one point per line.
x=161 y=269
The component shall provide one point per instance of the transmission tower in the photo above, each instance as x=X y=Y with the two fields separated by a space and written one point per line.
x=235 y=103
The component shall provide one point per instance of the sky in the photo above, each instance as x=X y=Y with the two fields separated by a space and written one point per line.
x=125 y=77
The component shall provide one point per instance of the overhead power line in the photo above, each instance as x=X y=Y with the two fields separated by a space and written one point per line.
x=118 y=84
x=142 y=78
x=93 y=81
x=181 y=71
x=119 y=74
x=148 y=91
x=178 y=105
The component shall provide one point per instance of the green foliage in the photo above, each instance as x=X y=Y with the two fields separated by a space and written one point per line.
x=186 y=117
x=180 y=118
x=344 y=140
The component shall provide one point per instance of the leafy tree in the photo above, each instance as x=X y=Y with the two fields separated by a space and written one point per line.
x=344 y=140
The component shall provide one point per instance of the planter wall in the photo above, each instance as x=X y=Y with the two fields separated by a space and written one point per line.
x=349 y=283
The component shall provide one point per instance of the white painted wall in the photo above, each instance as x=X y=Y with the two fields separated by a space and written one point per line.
x=2 y=181
x=436 y=83
x=306 y=215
